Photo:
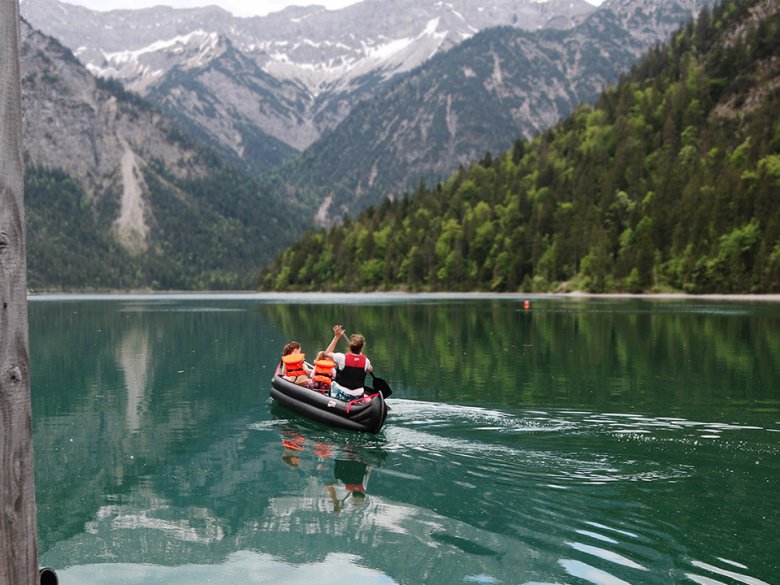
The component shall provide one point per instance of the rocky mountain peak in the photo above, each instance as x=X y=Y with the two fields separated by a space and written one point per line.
x=316 y=47
x=294 y=73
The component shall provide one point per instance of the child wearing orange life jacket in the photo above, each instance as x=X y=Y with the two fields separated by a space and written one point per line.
x=294 y=368
x=323 y=374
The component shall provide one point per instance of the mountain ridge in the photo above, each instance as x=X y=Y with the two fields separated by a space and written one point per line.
x=324 y=61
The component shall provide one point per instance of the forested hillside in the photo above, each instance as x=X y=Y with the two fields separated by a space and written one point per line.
x=200 y=239
x=670 y=182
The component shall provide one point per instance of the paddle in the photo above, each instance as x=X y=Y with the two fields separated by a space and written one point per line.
x=381 y=386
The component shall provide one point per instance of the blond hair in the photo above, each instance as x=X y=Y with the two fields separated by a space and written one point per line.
x=356 y=342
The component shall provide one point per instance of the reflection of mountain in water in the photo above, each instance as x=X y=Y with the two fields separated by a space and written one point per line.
x=133 y=358
x=119 y=391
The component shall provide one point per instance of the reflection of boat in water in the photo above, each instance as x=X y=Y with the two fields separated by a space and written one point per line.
x=351 y=466
x=366 y=414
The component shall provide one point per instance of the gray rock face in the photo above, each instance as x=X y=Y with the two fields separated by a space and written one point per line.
x=72 y=124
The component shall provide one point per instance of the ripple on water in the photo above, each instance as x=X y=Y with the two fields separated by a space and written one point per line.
x=556 y=483
x=434 y=414
x=498 y=440
x=677 y=430
x=553 y=479
x=596 y=535
x=721 y=572
x=487 y=579
x=589 y=573
x=606 y=555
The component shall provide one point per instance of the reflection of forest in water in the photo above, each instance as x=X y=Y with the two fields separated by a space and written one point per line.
x=560 y=352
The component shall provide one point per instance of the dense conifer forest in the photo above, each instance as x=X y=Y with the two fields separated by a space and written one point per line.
x=670 y=182
x=206 y=241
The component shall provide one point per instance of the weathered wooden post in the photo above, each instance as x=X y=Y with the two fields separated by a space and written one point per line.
x=18 y=542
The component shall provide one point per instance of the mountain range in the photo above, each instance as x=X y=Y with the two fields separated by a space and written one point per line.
x=498 y=86
x=356 y=88
x=376 y=96
x=262 y=88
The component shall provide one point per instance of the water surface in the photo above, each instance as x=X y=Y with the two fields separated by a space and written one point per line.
x=580 y=441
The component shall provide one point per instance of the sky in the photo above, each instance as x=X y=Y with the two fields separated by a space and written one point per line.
x=237 y=7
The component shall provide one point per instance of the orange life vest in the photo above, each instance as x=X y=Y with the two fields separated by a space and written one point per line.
x=293 y=365
x=323 y=371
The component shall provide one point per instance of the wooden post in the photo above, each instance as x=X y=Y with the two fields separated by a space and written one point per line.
x=18 y=542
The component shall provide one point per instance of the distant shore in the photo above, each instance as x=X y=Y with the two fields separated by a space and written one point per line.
x=773 y=298
x=770 y=298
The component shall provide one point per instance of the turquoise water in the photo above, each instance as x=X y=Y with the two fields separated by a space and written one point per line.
x=579 y=441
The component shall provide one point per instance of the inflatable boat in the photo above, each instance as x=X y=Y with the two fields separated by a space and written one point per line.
x=366 y=414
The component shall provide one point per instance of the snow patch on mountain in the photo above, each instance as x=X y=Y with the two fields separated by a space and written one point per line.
x=338 y=73
x=147 y=64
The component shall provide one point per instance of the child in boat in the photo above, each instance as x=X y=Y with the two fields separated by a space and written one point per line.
x=294 y=368
x=323 y=374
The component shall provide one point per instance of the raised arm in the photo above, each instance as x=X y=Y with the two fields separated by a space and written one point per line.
x=338 y=333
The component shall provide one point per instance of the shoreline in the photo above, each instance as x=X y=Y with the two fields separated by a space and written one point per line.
x=715 y=296
x=399 y=295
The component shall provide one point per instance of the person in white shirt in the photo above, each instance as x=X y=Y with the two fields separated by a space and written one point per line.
x=351 y=368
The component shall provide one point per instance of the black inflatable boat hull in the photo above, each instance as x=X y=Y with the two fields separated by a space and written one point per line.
x=367 y=417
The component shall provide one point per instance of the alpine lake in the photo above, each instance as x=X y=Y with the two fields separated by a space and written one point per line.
x=576 y=441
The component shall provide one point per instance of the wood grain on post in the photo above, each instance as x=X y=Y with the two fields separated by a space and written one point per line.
x=18 y=543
